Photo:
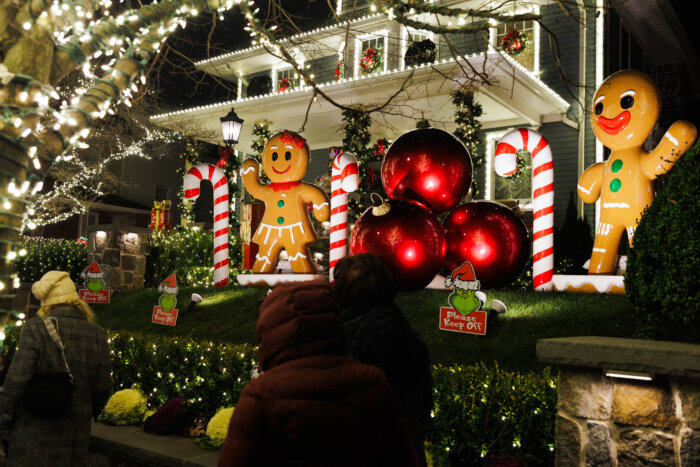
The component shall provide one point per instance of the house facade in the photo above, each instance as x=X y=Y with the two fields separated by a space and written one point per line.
x=547 y=87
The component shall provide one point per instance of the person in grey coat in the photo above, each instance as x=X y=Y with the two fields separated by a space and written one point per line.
x=63 y=439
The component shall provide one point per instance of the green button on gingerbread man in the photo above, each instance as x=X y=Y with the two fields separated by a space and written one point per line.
x=625 y=110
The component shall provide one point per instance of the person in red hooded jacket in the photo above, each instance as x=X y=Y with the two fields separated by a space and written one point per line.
x=313 y=405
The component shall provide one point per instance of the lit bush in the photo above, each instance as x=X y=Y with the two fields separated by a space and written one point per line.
x=48 y=254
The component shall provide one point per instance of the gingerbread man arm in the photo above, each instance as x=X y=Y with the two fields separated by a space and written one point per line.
x=318 y=198
x=249 y=174
x=590 y=182
x=673 y=145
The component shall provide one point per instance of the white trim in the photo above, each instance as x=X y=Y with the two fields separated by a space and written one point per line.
x=339 y=7
x=491 y=141
x=599 y=42
x=358 y=47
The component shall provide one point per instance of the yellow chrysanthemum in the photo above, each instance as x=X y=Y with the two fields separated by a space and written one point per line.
x=217 y=428
x=125 y=407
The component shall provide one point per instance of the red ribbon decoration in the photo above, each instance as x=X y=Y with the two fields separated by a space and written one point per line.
x=297 y=141
x=283 y=186
x=224 y=152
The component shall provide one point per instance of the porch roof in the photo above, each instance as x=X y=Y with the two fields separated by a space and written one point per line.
x=514 y=96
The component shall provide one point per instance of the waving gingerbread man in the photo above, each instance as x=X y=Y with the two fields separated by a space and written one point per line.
x=286 y=222
x=625 y=110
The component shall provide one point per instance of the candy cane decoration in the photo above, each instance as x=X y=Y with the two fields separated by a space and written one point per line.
x=344 y=179
x=542 y=197
x=217 y=178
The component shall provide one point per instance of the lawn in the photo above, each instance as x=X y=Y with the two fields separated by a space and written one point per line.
x=229 y=315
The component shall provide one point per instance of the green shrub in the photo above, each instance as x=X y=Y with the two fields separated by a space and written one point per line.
x=483 y=414
x=663 y=268
x=207 y=374
x=187 y=253
x=47 y=254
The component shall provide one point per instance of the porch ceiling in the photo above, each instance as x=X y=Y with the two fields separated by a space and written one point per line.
x=514 y=97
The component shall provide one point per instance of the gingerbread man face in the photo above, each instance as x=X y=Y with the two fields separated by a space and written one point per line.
x=285 y=157
x=625 y=109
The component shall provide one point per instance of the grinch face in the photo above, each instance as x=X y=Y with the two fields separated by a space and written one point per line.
x=463 y=301
x=283 y=160
x=167 y=301
x=95 y=284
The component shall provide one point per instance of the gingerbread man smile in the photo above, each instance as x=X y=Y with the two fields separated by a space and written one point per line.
x=613 y=126
x=282 y=172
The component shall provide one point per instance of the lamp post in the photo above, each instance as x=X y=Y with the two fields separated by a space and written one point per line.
x=231 y=126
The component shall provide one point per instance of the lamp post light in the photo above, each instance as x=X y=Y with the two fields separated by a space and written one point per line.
x=231 y=126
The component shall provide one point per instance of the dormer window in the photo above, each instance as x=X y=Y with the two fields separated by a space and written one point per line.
x=411 y=37
x=528 y=57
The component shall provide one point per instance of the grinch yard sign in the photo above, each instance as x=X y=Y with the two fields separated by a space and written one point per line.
x=165 y=312
x=95 y=290
x=465 y=315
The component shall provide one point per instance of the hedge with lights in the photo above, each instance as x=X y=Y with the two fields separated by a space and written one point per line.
x=164 y=255
x=486 y=414
x=47 y=254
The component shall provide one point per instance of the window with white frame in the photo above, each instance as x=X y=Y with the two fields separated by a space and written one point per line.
x=411 y=36
x=528 y=57
x=517 y=188
x=376 y=42
x=288 y=74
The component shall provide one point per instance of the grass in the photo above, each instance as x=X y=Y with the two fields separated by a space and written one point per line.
x=229 y=315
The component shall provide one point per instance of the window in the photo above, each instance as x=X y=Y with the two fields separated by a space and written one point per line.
x=288 y=74
x=377 y=42
x=411 y=36
x=527 y=57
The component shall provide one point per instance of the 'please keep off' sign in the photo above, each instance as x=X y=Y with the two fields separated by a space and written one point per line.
x=453 y=320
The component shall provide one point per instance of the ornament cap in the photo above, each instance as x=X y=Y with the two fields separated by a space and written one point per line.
x=379 y=206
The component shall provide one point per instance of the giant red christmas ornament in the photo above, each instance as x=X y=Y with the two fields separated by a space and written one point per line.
x=491 y=237
x=408 y=238
x=427 y=166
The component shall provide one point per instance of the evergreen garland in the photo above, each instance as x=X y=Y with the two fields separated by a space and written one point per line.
x=357 y=140
x=468 y=130
x=190 y=155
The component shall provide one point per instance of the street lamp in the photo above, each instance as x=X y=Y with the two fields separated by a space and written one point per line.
x=231 y=126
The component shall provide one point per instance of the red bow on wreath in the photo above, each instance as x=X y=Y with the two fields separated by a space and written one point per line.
x=284 y=85
x=380 y=148
x=297 y=141
x=224 y=152
x=368 y=57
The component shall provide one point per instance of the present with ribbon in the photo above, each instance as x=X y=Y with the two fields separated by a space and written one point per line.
x=161 y=216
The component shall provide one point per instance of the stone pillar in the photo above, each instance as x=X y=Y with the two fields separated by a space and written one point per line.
x=121 y=253
x=606 y=416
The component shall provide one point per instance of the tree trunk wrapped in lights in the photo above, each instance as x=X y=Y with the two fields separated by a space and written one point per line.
x=31 y=132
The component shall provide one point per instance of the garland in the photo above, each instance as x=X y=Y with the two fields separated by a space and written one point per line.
x=190 y=155
x=514 y=42
x=357 y=141
x=371 y=60
x=468 y=130
x=262 y=134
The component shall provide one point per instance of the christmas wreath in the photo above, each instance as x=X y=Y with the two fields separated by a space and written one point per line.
x=339 y=72
x=514 y=42
x=371 y=60
x=284 y=85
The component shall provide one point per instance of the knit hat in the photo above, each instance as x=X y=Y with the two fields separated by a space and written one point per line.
x=54 y=287
x=169 y=285
x=463 y=278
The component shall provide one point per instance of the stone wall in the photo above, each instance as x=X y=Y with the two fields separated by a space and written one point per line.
x=605 y=420
x=121 y=253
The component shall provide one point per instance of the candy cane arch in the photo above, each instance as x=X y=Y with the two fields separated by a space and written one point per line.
x=344 y=179
x=218 y=180
x=542 y=197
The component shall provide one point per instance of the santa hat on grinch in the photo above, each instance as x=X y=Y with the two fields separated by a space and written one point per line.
x=93 y=271
x=463 y=278
x=169 y=285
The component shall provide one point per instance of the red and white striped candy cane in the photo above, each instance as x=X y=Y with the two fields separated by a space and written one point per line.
x=542 y=197
x=344 y=179
x=217 y=178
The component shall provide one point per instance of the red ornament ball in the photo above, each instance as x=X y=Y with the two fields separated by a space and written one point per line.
x=427 y=166
x=408 y=238
x=491 y=237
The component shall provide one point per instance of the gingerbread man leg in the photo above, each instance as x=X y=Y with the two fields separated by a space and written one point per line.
x=607 y=241
x=300 y=258
x=269 y=249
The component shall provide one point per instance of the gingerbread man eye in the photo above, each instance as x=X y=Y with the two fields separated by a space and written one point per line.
x=274 y=156
x=627 y=102
x=599 y=108
x=288 y=156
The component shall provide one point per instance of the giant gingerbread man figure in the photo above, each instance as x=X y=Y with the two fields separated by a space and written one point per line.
x=285 y=223
x=625 y=109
